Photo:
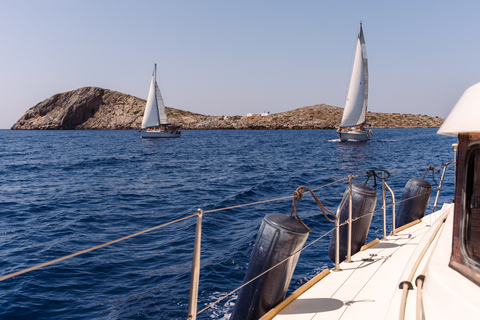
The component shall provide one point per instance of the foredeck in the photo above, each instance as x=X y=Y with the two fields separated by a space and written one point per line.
x=365 y=287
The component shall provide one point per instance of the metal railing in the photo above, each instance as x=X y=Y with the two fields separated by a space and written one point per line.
x=445 y=165
x=195 y=270
x=349 y=221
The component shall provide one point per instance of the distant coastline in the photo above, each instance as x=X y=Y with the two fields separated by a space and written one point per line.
x=93 y=108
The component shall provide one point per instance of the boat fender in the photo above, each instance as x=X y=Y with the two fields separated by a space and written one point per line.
x=364 y=199
x=414 y=201
x=279 y=237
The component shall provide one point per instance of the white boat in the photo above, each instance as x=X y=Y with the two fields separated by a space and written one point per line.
x=355 y=111
x=427 y=269
x=155 y=122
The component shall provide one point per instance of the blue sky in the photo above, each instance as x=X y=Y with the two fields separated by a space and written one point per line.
x=235 y=57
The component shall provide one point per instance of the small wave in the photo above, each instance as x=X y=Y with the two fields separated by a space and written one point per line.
x=386 y=140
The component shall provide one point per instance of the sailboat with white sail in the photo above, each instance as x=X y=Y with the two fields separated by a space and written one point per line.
x=155 y=122
x=352 y=127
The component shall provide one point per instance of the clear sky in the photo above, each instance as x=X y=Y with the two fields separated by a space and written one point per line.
x=221 y=57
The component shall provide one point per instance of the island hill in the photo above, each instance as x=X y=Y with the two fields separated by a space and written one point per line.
x=93 y=108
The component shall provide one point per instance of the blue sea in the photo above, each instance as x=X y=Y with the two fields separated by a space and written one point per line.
x=65 y=191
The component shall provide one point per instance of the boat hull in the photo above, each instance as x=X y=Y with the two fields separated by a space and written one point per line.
x=159 y=134
x=354 y=136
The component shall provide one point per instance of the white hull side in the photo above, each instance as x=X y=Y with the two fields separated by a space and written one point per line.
x=447 y=294
x=354 y=136
x=159 y=134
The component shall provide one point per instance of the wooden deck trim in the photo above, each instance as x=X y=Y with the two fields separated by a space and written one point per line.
x=370 y=244
x=406 y=226
x=279 y=307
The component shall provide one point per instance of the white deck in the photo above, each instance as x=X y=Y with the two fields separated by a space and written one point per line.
x=368 y=290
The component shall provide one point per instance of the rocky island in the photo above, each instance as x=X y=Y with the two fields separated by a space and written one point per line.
x=92 y=108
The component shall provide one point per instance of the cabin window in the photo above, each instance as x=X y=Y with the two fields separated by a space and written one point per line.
x=470 y=238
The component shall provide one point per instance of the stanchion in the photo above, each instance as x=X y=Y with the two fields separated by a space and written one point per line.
x=192 y=304
x=350 y=201
x=384 y=207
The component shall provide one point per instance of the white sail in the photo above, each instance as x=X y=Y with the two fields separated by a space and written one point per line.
x=151 y=117
x=355 y=110
x=162 y=113
x=155 y=122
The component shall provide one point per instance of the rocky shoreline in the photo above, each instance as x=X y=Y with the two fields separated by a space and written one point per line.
x=93 y=108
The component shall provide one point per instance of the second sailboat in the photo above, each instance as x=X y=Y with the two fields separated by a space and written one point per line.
x=352 y=127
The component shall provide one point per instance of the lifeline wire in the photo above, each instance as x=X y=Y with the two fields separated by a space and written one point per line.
x=41 y=265
x=266 y=271
x=310 y=244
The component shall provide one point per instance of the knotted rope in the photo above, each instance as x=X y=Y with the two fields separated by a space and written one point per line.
x=298 y=194
x=433 y=169
x=373 y=173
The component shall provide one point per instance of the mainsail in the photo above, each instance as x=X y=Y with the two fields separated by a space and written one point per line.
x=162 y=113
x=355 y=110
x=155 y=113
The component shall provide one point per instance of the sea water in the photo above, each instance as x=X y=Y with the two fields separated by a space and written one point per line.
x=65 y=191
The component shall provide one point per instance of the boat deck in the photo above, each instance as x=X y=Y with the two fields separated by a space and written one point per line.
x=367 y=287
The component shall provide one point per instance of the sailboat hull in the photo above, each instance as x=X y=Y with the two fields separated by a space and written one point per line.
x=355 y=136
x=159 y=134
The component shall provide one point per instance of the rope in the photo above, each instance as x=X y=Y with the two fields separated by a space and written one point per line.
x=328 y=184
x=411 y=169
x=298 y=194
x=419 y=281
x=430 y=168
x=373 y=173
x=246 y=204
x=404 y=285
x=41 y=265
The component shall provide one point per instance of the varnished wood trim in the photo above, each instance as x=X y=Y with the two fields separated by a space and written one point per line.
x=406 y=226
x=279 y=307
x=369 y=245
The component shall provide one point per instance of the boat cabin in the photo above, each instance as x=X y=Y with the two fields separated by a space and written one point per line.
x=463 y=121
x=466 y=237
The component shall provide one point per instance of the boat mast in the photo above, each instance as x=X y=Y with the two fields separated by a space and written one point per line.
x=156 y=97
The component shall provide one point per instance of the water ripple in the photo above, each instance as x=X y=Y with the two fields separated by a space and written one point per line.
x=64 y=191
